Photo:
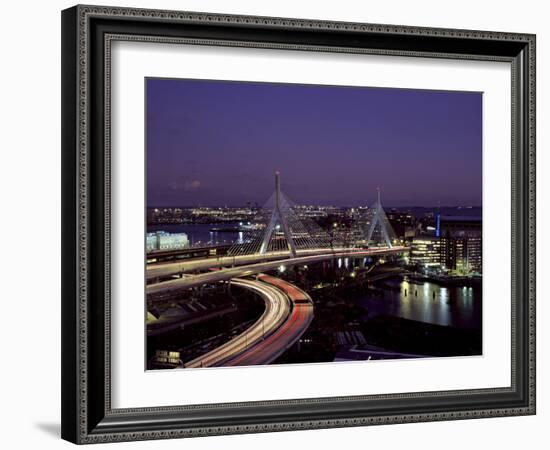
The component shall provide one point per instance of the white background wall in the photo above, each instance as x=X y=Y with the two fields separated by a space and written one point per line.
x=30 y=222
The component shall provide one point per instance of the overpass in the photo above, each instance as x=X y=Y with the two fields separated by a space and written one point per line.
x=277 y=309
x=297 y=322
x=163 y=270
x=281 y=234
x=287 y=315
x=158 y=256
x=244 y=270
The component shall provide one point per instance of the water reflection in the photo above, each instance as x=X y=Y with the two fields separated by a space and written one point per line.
x=427 y=302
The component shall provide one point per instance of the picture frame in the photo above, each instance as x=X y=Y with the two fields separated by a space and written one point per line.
x=87 y=413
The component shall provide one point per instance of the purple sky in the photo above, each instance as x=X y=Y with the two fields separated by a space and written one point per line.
x=218 y=143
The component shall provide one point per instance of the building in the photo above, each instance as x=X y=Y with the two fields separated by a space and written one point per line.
x=403 y=223
x=161 y=240
x=458 y=250
x=426 y=251
x=461 y=244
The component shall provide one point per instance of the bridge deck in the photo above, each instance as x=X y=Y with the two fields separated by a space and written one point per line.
x=251 y=269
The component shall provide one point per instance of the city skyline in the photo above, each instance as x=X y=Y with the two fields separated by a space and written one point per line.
x=368 y=205
x=257 y=250
x=217 y=143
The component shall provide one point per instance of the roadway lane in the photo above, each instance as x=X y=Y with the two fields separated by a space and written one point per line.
x=251 y=269
x=173 y=268
x=277 y=309
x=270 y=348
x=180 y=267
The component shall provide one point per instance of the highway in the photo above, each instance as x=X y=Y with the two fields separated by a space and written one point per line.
x=159 y=270
x=251 y=269
x=288 y=313
x=277 y=310
x=297 y=322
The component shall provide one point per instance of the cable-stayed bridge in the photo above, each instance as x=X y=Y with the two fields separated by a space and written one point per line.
x=279 y=236
x=279 y=228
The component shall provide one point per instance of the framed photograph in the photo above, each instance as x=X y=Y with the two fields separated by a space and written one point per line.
x=278 y=224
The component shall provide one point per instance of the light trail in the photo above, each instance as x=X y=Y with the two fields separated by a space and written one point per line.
x=251 y=269
x=276 y=311
x=270 y=348
x=288 y=314
x=157 y=270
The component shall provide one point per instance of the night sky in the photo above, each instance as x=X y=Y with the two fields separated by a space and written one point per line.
x=215 y=143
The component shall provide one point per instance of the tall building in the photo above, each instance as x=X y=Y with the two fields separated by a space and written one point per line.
x=461 y=244
x=161 y=240
x=458 y=249
x=426 y=251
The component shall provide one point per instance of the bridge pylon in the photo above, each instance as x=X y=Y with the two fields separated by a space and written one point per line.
x=378 y=218
x=281 y=226
x=278 y=218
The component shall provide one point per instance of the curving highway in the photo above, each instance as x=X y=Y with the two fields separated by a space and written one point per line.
x=277 y=309
x=251 y=269
x=297 y=322
x=160 y=270
x=288 y=313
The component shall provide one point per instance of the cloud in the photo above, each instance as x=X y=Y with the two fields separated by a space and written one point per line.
x=186 y=185
x=192 y=185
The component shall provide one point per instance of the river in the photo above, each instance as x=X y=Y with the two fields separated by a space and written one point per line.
x=457 y=306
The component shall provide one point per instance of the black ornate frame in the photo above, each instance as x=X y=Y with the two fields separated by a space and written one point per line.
x=87 y=33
